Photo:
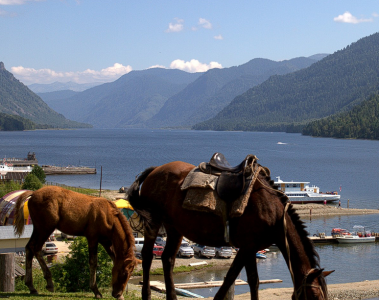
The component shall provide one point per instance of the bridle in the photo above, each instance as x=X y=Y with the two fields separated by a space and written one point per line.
x=304 y=284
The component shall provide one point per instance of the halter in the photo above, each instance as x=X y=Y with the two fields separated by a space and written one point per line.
x=304 y=284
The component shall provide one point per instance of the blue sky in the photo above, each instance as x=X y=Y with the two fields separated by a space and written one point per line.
x=43 y=41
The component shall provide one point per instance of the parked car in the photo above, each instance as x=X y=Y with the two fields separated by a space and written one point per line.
x=202 y=250
x=49 y=248
x=138 y=243
x=160 y=241
x=224 y=251
x=185 y=250
x=157 y=251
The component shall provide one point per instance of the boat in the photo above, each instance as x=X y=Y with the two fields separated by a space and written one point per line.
x=8 y=171
x=361 y=235
x=260 y=255
x=300 y=192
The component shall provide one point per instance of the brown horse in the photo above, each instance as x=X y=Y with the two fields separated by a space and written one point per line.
x=266 y=221
x=98 y=219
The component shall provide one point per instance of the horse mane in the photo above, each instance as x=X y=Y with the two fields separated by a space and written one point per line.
x=129 y=239
x=300 y=226
x=19 y=224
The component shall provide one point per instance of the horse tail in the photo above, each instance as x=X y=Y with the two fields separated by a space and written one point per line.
x=133 y=196
x=19 y=223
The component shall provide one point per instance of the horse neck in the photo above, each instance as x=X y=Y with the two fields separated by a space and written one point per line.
x=293 y=250
x=122 y=245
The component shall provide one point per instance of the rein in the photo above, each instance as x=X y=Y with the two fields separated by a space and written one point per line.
x=304 y=285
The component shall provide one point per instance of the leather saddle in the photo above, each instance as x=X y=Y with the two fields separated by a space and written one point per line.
x=232 y=181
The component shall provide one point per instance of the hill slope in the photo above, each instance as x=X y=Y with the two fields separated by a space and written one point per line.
x=216 y=88
x=334 y=84
x=128 y=101
x=362 y=122
x=17 y=99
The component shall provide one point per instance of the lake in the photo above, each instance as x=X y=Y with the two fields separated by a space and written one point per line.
x=328 y=163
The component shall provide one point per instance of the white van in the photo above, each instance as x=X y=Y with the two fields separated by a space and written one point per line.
x=138 y=243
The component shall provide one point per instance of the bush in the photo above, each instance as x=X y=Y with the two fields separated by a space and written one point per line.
x=8 y=187
x=73 y=274
x=40 y=173
x=31 y=182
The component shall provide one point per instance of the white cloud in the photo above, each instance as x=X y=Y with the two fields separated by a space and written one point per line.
x=30 y=75
x=193 y=65
x=375 y=14
x=203 y=23
x=157 y=66
x=175 y=27
x=218 y=37
x=347 y=17
x=16 y=2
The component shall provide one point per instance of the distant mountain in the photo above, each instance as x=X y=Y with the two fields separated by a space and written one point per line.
x=127 y=102
x=61 y=86
x=56 y=99
x=362 y=122
x=216 y=88
x=335 y=84
x=17 y=99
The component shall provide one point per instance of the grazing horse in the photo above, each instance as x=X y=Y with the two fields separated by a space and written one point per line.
x=98 y=219
x=267 y=220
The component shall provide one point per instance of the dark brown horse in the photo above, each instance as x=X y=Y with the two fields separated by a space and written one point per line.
x=98 y=219
x=266 y=221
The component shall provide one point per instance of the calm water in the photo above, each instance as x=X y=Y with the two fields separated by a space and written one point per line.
x=329 y=163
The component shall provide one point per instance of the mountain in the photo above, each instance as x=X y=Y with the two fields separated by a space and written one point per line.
x=61 y=86
x=129 y=101
x=15 y=123
x=334 y=84
x=215 y=89
x=362 y=122
x=17 y=99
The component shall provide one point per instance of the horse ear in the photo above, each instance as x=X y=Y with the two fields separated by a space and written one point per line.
x=313 y=274
x=326 y=273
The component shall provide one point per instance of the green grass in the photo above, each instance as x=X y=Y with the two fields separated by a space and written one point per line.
x=131 y=295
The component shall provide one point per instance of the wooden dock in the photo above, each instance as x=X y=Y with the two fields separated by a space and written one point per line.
x=55 y=170
x=160 y=286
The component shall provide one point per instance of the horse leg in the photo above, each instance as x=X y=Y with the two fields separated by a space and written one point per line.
x=231 y=275
x=150 y=234
x=107 y=246
x=252 y=275
x=92 y=249
x=174 y=239
x=34 y=247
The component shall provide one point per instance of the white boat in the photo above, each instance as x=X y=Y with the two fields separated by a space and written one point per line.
x=6 y=168
x=300 y=192
x=361 y=235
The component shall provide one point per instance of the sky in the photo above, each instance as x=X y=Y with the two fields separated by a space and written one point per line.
x=83 y=41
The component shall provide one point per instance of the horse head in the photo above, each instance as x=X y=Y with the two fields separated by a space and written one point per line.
x=313 y=286
x=121 y=273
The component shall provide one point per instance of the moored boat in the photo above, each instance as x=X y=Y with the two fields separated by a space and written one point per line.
x=361 y=235
x=300 y=192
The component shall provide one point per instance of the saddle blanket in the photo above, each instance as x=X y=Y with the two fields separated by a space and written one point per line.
x=202 y=196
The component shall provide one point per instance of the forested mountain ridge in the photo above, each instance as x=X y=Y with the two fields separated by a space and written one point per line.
x=15 y=123
x=216 y=88
x=362 y=122
x=335 y=84
x=128 y=101
x=17 y=99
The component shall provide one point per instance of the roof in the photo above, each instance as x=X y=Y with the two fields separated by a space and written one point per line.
x=7 y=232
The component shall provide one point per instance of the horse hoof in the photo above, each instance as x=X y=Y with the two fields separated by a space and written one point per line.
x=50 y=288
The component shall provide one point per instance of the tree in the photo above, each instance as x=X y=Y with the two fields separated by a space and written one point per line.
x=73 y=274
x=31 y=182
x=39 y=172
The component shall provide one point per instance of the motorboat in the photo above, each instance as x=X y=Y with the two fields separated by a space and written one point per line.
x=360 y=235
x=300 y=192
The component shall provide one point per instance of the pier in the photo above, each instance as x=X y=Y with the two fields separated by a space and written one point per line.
x=55 y=170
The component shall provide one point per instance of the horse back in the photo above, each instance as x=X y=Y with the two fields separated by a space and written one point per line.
x=71 y=212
